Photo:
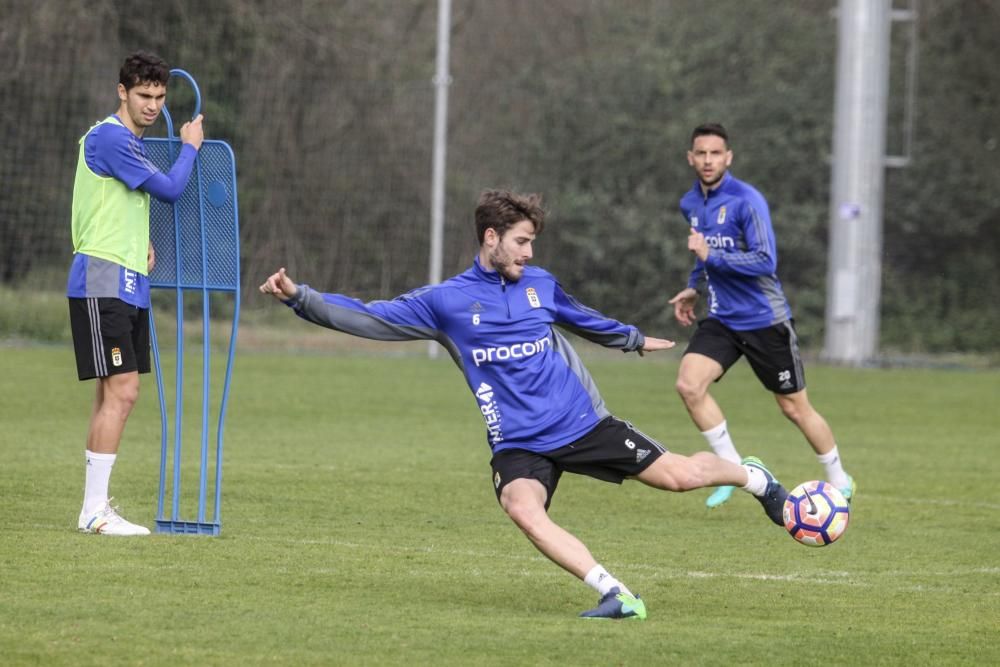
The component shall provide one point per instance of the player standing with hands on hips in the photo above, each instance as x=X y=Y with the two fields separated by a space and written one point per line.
x=108 y=286
x=544 y=415
x=736 y=256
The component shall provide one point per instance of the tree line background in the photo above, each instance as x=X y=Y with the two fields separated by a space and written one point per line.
x=328 y=105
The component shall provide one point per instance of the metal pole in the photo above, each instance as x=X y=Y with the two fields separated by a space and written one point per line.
x=854 y=277
x=909 y=17
x=442 y=79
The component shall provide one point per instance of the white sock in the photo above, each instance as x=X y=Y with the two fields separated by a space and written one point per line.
x=834 y=470
x=600 y=580
x=756 y=481
x=720 y=442
x=95 y=492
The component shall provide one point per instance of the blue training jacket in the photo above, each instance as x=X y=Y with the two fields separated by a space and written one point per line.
x=531 y=387
x=741 y=269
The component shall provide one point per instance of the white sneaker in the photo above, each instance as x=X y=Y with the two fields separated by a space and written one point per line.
x=106 y=521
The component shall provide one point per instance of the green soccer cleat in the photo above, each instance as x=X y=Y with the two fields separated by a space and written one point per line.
x=617 y=605
x=850 y=490
x=775 y=494
x=720 y=496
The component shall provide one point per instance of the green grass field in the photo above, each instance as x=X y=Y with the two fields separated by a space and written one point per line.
x=360 y=528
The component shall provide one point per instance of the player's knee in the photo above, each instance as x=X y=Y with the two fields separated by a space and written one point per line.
x=122 y=396
x=526 y=516
x=130 y=396
x=690 y=391
x=793 y=410
x=524 y=501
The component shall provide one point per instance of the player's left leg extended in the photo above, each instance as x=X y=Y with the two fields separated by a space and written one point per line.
x=674 y=472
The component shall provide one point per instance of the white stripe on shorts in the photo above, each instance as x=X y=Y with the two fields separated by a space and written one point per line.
x=793 y=345
x=652 y=440
x=96 y=341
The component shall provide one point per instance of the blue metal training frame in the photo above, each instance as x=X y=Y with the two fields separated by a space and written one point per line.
x=197 y=248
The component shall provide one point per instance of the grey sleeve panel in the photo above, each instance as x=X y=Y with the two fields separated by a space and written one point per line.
x=103 y=277
x=593 y=325
x=566 y=351
x=626 y=343
x=310 y=305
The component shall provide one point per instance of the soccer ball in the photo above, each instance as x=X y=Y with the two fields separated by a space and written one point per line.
x=816 y=513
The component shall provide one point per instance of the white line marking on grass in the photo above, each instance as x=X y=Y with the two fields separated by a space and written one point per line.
x=840 y=578
x=823 y=578
x=935 y=502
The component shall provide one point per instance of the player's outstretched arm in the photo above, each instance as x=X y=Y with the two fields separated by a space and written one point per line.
x=279 y=285
x=409 y=317
x=655 y=344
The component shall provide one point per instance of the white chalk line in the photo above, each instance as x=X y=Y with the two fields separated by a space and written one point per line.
x=845 y=578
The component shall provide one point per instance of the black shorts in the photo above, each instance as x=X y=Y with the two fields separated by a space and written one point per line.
x=109 y=337
x=612 y=451
x=773 y=352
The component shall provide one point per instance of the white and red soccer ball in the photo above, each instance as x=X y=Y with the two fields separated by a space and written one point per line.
x=816 y=513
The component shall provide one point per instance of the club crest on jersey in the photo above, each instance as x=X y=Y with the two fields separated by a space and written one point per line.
x=722 y=216
x=533 y=297
x=116 y=356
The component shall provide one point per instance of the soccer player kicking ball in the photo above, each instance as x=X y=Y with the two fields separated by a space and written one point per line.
x=543 y=413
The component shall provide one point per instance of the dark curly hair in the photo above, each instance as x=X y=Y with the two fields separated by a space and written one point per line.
x=502 y=209
x=143 y=67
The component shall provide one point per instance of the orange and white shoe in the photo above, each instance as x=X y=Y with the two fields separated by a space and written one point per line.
x=107 y=521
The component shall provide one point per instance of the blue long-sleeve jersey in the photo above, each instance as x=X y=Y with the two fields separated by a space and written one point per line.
x=741 y=269
x=531 y=387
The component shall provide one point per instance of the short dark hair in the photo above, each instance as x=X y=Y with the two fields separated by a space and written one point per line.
x=710 y=129
x=502 y=209
x=143 y=67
